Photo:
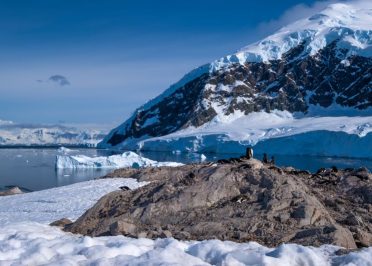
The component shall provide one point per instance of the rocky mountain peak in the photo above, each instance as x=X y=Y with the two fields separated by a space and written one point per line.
x=324 y=60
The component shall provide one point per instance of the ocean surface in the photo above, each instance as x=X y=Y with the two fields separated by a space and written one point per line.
x=34 y=168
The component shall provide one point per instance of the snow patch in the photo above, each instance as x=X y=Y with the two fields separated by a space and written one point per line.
x=49 y=205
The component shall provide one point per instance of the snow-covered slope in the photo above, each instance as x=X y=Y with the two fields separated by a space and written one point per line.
x=320 y=66
x=13 y=134
x=49 y=205
x=348 y=24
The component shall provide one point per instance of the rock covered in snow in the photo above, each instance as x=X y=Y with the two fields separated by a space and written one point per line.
x=127 y=159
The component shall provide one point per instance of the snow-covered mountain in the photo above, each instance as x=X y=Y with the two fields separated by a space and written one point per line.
x=305 y=85
x=15 y=134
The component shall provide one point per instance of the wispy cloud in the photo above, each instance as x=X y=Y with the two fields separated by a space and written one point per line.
x=60 y=80
x=301 y=11
x=295 y=13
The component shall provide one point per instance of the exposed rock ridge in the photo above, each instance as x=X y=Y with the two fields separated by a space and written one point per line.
x=240 y=200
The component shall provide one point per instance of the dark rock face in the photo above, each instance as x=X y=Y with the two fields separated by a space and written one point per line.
x=293 y=83
x=241 y=200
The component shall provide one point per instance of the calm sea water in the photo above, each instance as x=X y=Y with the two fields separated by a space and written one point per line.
x=34 y=169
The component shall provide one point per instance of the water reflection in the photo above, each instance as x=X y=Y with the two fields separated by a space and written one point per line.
x=70 y=176
x=34 y=169
x=311 y=163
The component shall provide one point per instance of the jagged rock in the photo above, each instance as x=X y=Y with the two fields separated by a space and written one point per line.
x=335 y=235
x=142 y=234
x=123 y=228
x=239 y=201
x=306 y=214
x=166 y=234
x=353 y=220
x=61 y=222
x=11 y=191
x=363 y=238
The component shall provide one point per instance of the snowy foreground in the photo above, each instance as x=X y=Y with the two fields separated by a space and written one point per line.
x=26 y=238
x=127 y=159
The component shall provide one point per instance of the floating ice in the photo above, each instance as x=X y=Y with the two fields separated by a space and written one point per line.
x=127 y=159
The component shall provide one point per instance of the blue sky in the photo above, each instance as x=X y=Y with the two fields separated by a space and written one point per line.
x=88 y=61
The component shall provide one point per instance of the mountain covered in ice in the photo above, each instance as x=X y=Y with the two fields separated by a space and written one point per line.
x=16 y=134
x=307 y=83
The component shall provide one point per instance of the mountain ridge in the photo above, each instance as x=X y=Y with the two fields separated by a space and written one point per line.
x=320 y=62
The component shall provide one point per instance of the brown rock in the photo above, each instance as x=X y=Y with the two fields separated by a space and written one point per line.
x=123 y=228
x=363 y=238
x=11 y=191
x=166 y=234
x=142 y=234
x=237 y=201
x=61 y=222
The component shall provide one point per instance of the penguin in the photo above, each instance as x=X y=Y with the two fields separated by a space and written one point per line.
x=249 y=153
x=265 y=158
x=124 y=188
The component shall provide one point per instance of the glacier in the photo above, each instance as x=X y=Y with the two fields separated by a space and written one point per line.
x=278 y=132
x=126 y=159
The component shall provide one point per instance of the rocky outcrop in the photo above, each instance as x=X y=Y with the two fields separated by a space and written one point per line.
x=11 y=191
x=61 y=222
x=238 y=200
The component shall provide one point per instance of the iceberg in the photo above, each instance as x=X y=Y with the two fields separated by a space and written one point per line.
x=127 y=159
x=64 y=150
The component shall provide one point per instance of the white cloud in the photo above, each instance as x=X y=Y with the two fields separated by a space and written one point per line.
x=302 y=11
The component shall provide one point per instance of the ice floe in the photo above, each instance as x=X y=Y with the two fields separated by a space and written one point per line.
x=126 y=159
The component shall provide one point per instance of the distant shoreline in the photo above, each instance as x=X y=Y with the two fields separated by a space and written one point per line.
x=54 y=146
